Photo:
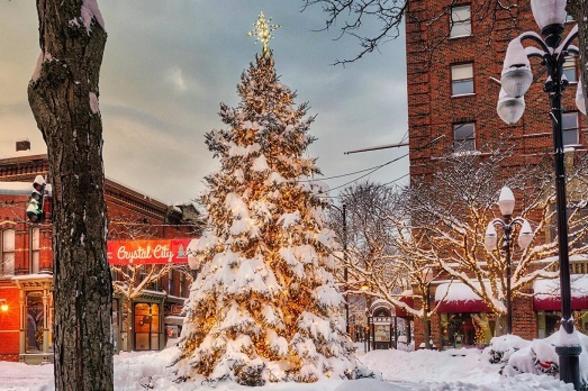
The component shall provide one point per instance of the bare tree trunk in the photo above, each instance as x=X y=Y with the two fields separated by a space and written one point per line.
x=579 y=10
x=426 y=317
x=63 y=96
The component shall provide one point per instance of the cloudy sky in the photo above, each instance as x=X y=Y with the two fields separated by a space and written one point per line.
x=169 y=63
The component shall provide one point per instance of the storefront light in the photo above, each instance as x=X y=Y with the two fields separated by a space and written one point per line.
x=3 y=306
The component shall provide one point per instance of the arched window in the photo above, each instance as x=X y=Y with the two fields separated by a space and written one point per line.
x=7 y=249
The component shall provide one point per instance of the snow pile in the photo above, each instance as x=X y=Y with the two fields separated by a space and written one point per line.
x=463 y=369
x=456 y=370
x=536 y=357
x=501 y=348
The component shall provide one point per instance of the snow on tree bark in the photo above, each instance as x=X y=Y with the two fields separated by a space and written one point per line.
x=72 y=43
x=264 y=306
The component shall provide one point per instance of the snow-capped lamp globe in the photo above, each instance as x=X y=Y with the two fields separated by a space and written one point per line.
x=491 y=238
x=517 y=76
x=509 y=109
x=506 y=201
x=550 y=15
x=525 y=235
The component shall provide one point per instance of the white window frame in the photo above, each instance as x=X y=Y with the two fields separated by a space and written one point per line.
x=570 y=63
x=4 y=251
x=35 y=265
x=577 y=128
x=459 y=23
x=453 y=69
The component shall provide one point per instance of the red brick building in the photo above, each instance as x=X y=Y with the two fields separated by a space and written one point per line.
x=26 y=264
x=454 y=49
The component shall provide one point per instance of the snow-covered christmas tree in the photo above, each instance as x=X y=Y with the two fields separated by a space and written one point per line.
x=264 y=307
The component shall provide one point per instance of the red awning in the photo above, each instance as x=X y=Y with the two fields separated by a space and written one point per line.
x=547 y=294
x=457 y=297
x=400 y=311
x=462 y=306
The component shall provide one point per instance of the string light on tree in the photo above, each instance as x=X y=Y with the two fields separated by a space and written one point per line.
x=262 y=32
x=264 y=307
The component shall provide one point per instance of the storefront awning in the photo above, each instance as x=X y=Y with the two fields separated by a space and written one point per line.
x=400 y=311
x=547 y=294
x=457 y=297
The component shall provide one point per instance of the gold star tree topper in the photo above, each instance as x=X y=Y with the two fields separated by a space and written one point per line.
x=262 y=32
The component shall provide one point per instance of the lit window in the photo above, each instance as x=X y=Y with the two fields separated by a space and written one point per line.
x=464 y=137
x=461 y=21
x=462 y=79
x=7 y=250
x=35 y=249
x=570 y=128
x=569 y=69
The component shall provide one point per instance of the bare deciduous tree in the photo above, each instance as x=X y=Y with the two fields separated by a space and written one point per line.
x=449 y=214
x=376 y=260
x=374 y=22
x=63 y=95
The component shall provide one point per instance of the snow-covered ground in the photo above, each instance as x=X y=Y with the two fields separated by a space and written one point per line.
x=459 y=370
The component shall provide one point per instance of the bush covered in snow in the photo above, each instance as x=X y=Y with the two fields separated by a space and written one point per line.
x=518 y=355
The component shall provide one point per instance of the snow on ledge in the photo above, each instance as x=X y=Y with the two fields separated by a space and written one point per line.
x=11 y=188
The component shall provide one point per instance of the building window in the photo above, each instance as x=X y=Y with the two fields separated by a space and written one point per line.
x=146 y=326
x=462 y=79
x=35 y=249
x=35 y=322
x=464 y=137
x=569 y=18
x=461 y=21
x=570 y=128
x=7 y=247
x=569 y=69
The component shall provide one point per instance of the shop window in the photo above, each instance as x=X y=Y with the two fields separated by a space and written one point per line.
x=7 y=250
x=461 y=21
x=548 y=322
x=569 y=69
x=464 y=137
x=35 y=249
x=462 y=79
x=146 y=326
x=460 y=330
x=570 y=128
x=35 y=322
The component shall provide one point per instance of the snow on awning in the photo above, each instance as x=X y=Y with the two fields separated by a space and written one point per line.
x=408 y=300
x=457 y=297
x=547 y=294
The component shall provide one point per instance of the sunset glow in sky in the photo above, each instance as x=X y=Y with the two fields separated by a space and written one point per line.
x=169 y=63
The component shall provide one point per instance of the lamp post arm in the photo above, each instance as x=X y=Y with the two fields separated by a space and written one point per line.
x=533 y=36
x=498 y=223
x=518 y=221
x=567 y=42
x=532 y=51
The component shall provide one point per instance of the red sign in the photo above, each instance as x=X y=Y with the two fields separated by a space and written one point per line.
x=148 y=252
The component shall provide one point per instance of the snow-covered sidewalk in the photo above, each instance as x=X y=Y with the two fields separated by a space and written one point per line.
x=459 y=370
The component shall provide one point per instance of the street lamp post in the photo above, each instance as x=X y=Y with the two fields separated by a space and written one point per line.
x=343 y=211
x=517 y=77
x=506 y=203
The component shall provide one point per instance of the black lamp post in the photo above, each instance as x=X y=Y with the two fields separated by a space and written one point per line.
x=516 y=79
x=343 y=211
x=506 y=203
